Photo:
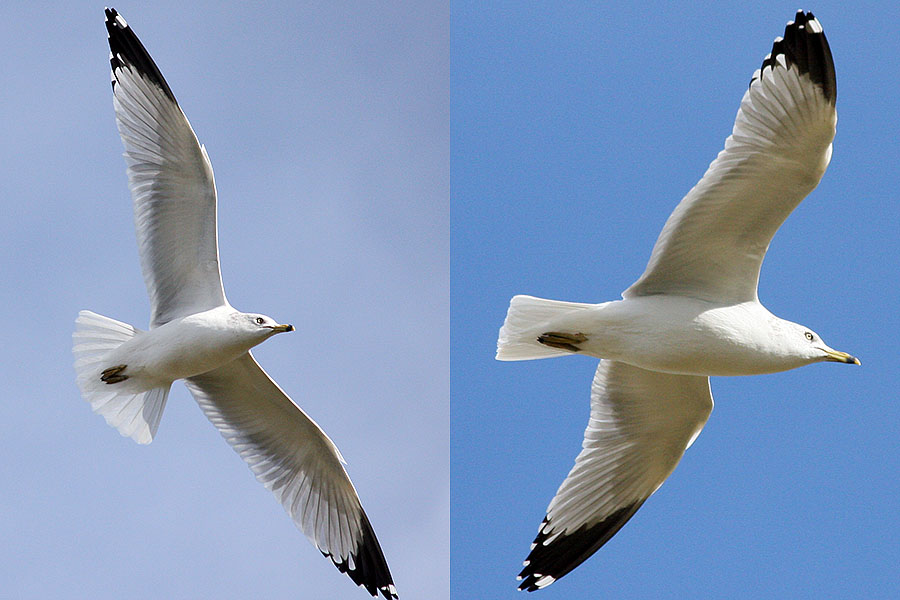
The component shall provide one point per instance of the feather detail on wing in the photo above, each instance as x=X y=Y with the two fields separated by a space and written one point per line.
x=713 y=244
x=294 y=459
x=641 y=423
x=171 y=182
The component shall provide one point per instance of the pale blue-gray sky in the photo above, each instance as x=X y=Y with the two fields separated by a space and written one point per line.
x=327 y=126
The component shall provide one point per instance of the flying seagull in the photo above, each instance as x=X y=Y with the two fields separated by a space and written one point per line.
x=196 y=335
x=693 y=313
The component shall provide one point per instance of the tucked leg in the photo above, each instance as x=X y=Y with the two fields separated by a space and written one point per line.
x=563 y=341
x=113 y=374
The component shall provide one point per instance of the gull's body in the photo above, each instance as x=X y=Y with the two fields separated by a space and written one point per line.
x=694 y=312
x=181 y=348
x=679 y=335
x=196 y=335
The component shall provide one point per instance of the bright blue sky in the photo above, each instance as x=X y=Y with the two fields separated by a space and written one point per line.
x=328 y=132
x=575 y=131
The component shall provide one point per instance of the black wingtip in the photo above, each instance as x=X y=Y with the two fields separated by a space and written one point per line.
x=548 y=562
x=804 y=45
x=127 y=51
x=370 y=569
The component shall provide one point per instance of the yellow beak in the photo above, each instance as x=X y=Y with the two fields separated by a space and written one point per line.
x=841 y=357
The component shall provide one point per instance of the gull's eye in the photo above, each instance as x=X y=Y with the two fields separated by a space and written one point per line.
x=260 y=321
x=809 y=336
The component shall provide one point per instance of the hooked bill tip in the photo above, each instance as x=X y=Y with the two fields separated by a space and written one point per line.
x=841 y=357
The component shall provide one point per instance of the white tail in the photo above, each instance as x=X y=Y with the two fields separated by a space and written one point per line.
x=527 y=318
x=134 y=414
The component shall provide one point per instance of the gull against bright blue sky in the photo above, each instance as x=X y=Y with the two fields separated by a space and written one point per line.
x=575 y=132
x=328 y=133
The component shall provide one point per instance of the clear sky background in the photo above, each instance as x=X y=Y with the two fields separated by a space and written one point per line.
x=575 y=131
x=327 y=126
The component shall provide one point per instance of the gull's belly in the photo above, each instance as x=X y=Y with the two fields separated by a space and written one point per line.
x=683 y=336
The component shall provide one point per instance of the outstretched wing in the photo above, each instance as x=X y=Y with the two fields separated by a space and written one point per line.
x=294 y=459
x=641 y=423
x=171 y=183
x=713 y=244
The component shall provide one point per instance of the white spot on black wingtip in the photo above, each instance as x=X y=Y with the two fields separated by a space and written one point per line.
x=805 y=48
x=114 y=18
x=366 y=565
x=814 y=25
x=127 y=52
x=555 y=553
x=112 y=72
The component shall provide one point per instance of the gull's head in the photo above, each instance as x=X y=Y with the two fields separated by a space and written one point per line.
x=817 y=350
x=261 y=326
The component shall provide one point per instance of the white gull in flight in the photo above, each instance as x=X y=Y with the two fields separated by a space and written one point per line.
x=693 y=313
x=197 y=336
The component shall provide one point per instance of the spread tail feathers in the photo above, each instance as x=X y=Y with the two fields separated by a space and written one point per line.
x=528 y=319
x=134 y=414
